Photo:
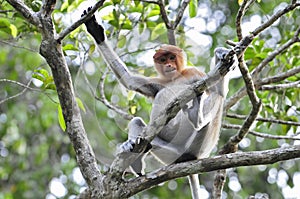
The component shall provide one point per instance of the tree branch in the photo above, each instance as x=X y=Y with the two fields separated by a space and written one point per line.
x=276 y=52
x=180 y=12
x=272 y=19
x=242 y=92
x=279 y=77
x=75 y=25
x=263 y=135
x=171 y=109
x=211 y=164
x=48 y=7
x=242 y=117
x=280 y=86
x=26 y=87
x=27 y=13
x=51 y=50
x=103 y=99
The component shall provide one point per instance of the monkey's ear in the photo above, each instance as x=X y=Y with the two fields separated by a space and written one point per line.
x=95 y=29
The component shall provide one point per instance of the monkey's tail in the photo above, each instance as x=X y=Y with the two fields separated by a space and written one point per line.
x=194 y=185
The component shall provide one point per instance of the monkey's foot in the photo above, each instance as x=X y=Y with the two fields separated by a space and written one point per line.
x=95 y=29
x=131 y=146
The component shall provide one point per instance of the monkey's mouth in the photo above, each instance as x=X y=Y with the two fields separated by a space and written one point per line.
x=168 y=70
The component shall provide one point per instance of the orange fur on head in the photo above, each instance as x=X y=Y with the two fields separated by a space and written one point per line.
x=167 y=49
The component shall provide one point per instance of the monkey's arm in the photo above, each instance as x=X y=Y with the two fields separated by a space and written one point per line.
x=131 y=81
x=201 y=111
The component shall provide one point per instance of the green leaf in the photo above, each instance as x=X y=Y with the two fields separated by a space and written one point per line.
x=92 y=49
x=130 y=95
x=193 y=7
x=121 y=41
x=153 y=13
x=64 y=6
x=43 y=76
x=127 y=25
x=38 y=76
x=240 y=2
x=50 y=86
x=4 y=22
x=13 y=30
x=141 y=27
x=157 y=31
x=114 y=23
x=61 y=119
x=43 y=72
x=133 y=109
x=80 y=104
x=70 y=47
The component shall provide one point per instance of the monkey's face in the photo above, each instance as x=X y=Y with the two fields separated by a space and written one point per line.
x=166 y=65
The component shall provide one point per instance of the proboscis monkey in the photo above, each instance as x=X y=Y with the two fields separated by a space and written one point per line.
x=194 y=131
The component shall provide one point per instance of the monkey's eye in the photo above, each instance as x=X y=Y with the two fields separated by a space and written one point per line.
x=162 y=59
x=172 y=57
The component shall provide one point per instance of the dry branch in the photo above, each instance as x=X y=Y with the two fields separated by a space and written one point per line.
x=212 y=164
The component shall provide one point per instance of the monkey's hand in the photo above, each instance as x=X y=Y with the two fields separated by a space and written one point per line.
x=95 y=29
x=224 y=60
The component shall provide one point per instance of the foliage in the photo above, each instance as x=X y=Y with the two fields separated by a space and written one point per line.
x=35 y=151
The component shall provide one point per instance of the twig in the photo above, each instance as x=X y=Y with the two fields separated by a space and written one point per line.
x=276 y=52
x=16 y=46
x=6 y=11
x=238 y=21
x=276 y=16
x=149 y=1
x=103 y=99
x=263 y=135
x=18 y=94
x=231 y=145
x=83 y=19
x=242 y=117
x=280 y=86
x=180 y=12
x=242 y=92
x=279 y=77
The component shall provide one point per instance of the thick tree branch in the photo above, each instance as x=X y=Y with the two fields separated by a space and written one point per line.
x=211 y=164
x=133 y=186
x=48 y=7
x=27 y=13
x=51 y=50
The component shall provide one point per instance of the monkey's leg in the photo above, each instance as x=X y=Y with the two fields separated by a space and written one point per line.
x=135 y=126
